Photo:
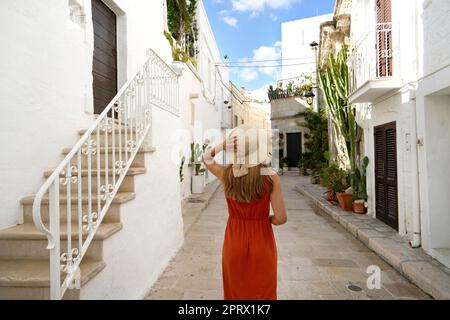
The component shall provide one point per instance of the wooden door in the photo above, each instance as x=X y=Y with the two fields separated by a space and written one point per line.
x=386 y=192
x=104 y=69
x=384 y=38
x=294 y=148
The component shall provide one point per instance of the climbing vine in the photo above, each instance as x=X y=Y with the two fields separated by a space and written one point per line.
x=183 y=26
x=316 y=140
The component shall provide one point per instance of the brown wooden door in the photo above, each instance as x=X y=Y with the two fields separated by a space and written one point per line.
x=386 y=192
x=384 y=38
x=104 y=69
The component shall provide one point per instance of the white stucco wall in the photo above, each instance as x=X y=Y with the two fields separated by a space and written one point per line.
x=296 y=35
x=421 y=109
x=46 y=82
x=433 y=107
x=400 y=111
x=207 y=83
x=46 y=86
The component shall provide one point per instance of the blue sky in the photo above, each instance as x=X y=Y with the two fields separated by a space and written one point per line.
x=248 y=30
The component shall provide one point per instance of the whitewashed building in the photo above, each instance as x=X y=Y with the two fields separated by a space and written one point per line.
x=244 y=111
x=297 y=55
x=400 y=82
x=299 y=67
x=90 y=82
x=204 y=95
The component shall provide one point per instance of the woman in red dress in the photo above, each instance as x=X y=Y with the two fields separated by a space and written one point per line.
x=249 y=254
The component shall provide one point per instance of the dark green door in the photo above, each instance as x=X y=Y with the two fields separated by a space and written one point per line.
x=294 y=148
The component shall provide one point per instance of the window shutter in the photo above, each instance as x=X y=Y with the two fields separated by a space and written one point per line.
x=384 y=38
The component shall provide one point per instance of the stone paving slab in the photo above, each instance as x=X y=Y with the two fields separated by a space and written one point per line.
x=415 y=264
x=317 y=258
x=193 y=206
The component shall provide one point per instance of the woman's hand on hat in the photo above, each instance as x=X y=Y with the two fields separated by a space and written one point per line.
x=229 y=143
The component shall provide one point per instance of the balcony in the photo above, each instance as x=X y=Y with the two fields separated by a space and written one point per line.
x=374 y=64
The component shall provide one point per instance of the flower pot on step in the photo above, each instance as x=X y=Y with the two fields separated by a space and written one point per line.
x=345 y=201
x=198 y=184
x=359 y=207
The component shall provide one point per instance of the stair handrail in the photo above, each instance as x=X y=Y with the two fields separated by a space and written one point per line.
x=130 y=112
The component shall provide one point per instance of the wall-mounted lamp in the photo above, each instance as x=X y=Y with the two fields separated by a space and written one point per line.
x=309 y=97
x=313 y=44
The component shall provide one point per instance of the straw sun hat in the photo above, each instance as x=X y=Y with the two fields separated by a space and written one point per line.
x=253 y=147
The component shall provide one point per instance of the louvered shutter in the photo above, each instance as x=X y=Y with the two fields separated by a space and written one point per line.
x=386 y=191
x=384 y=38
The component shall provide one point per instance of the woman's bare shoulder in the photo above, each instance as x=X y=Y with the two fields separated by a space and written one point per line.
x=273 y=175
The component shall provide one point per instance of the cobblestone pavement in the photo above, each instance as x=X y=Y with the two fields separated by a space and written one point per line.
x=317 y=258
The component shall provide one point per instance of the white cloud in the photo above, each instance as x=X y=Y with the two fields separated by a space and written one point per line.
x=267 y=53
x=273 y=17
x=259 y=94
x=256 y=6
x=231 y=21
x=248 y=74
x=265 y=61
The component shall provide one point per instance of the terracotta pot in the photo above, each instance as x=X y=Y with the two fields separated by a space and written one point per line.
x=359 y=207
x=345 y=201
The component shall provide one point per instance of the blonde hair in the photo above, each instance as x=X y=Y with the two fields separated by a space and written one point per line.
x=248 y=188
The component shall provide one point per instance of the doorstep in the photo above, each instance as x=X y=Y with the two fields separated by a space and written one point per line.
x=193 y=206
x=420 y=268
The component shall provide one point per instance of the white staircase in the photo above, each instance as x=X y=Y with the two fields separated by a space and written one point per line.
x=58 y=248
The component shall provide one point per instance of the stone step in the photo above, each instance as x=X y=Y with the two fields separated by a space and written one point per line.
x=113 y=214
x=126 y=186
x=28 y=231
x=20 y=249
x=117 y=128
x=121 y=137
x=139 y=160
x=30 y=280
x=26 y=242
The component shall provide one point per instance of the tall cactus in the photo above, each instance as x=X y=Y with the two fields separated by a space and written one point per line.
x=335 y=84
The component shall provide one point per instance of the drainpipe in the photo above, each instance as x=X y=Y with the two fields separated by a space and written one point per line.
x=417 y=237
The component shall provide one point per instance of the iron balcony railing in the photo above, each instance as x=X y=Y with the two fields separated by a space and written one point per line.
x=87 y=180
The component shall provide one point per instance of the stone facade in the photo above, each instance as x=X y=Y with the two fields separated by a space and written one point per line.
x=335 y=33
x=244 y=111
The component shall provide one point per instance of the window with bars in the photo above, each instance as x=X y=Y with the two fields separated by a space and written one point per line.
x=384 y=38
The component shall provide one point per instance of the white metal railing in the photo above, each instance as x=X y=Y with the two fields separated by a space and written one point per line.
x=372 y=57
x=85 y=183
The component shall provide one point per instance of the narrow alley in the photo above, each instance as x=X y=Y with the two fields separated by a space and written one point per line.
x=317 y=258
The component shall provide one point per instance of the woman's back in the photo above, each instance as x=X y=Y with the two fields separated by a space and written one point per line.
x=255 y=210
x=249 y=254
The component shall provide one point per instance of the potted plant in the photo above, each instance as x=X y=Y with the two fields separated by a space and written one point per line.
x=198 y=177
x=306 y=163
x=327 y=177
x=284 y=162
x=339 y=183
x=359 y=187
